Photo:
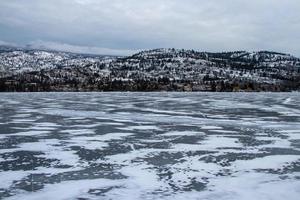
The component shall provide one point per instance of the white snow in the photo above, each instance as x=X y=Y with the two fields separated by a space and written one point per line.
x=233 y=153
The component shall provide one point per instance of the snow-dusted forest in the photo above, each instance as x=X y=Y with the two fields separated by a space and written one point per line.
x=154 y=70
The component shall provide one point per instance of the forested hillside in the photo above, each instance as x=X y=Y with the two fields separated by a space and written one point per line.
x=153 y=70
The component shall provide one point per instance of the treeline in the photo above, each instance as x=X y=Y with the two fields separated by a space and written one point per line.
x=163 y=84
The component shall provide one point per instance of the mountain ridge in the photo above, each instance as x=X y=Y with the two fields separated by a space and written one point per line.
x=164 y=69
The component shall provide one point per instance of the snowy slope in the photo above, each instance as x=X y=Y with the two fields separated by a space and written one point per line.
x=173 y=68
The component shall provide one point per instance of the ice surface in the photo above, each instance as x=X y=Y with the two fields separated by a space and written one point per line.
x=133 y=146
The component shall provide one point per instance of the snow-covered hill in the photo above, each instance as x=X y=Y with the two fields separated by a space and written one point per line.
x=15 y=61
x=159 y=69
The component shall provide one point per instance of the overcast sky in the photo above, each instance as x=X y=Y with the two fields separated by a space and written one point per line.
x=126 y=26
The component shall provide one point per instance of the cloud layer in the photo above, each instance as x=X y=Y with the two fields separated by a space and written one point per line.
x=214 y=25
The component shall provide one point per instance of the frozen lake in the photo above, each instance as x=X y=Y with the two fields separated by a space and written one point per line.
x=150 y=146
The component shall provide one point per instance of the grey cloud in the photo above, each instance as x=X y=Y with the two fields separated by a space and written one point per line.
x=214 y=25
x=79 y=49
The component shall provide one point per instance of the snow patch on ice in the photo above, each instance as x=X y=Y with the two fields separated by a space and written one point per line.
x=184 y=133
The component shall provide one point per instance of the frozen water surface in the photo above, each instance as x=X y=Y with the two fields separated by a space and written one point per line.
x=150 y=146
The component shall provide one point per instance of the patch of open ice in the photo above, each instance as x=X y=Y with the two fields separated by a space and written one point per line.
x=287 y=101
x=113 y=123
x=30 y=133
x=141 y=127
x=72 y=113
x=21 y=121
x=47 y=124
x=214 y=142
x=21 y=115
x=86 y=125
x=113 y=136
x=211 y=127
x=183 y=133
x=79 y=131
x=268 y=162
x=223 y=131
x=42 y=128
x=89 y=143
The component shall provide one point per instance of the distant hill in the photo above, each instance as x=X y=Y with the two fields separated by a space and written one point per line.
x=154 y=70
